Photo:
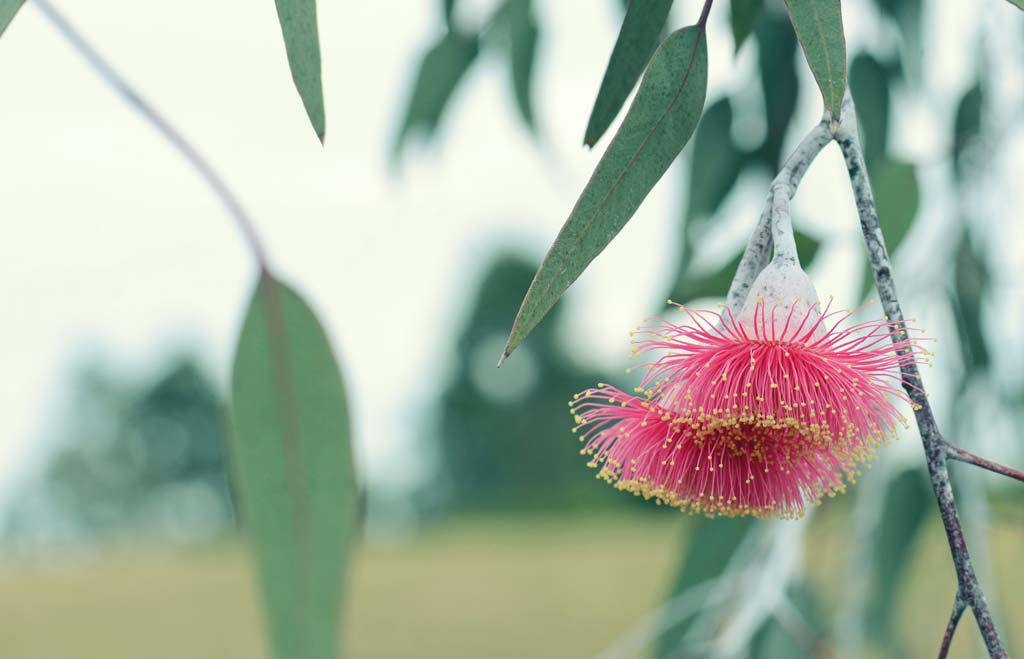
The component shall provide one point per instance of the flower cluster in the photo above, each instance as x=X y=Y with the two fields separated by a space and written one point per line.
x=757 y=414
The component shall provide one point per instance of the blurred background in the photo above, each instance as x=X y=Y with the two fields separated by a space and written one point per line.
x=415 y=232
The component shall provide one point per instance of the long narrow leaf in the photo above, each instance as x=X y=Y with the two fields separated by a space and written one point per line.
x=302 y=43
x=8 y=8
x=293 y=465
x=819 y=27
x=638 y=38
x=659 y=123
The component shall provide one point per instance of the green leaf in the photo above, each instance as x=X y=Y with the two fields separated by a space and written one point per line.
x=971 y=280
x=294 y=469
x=869 y=84
x=448 y=9
x=908 y=500
x=523 y=35
x=773 y=641
x=776 y=47
x=638 y=38
x=743 y=15
x=897 y=196
x=716 y=162
x=1019 y=4
x=656 y=128
x=298 y=24
x=819 y=27
x=441 y=70
x=710 y=546
x=966 y=126
x=8 y=8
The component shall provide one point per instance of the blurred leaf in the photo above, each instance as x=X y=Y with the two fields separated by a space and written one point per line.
x=442 y=68
x=656 y=128
x=298 y=24
x=779 y=83
x=869 y=84
x=716 y=284
x=1019 y=4
x=897 y=196
x=966 y=126
x=638 y=38
x=8 y=8
x=710 y=545
x=448 y=8
x=971 y=279
x=716 y=162
x=742 y=16
x=907 y=15
x=908 y=500
x=805 y=634
x=294 y=468
x=523 y=34
x=819 y=28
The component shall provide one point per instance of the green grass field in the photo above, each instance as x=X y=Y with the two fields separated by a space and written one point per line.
x=510 y=588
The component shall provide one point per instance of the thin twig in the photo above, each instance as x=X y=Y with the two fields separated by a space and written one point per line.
x=759 y=247
x=704 y=11
x=121 y=85
x=954 y=452
x=931 y=437
x=959 y=604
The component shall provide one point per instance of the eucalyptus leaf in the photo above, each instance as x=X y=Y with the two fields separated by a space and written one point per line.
x=710 y=546
x=1019 y=4
x=442 y=68
x=743 y=14
x=656 y=128
x=302 y=43
x=293 y=465
x=897 y=197
x=971 y=280
x=966 y=127
x=780 y=85
x=638 y=38
x=819 y=28
x=869 y=84
x=523 y=34
x=775 y=641
x=8 y=8
x=716 y=162
x=908 y=501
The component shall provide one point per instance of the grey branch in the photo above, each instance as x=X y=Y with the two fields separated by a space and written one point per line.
x=783 y=188
x=954 y=619
x=960 y=455
x=931 y=438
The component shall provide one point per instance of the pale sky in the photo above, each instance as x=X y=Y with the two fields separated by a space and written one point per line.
x=112 y=243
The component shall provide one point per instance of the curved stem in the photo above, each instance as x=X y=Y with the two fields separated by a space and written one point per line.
x=109 y=74
x=759 y=246
x=954 y=619
x=960 y=455
x=931 y=437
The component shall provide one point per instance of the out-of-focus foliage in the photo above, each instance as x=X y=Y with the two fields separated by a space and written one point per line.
x=293 y=459
x=518 y=19
x=136 y=457
x=743 y=15
x=819 y=28
x=8 y=8
x=638 y=37
x=908 y=503
x=710 y=545
x=442 y=68
x=504 y=434
x=657 y=126
x=302 y=43
x=797 y=629
x=776 y=48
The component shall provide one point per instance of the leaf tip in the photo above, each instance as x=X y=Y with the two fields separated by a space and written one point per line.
x=504 y=355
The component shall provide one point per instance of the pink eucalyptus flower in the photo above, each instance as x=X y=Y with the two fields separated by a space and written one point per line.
x=757 y=414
